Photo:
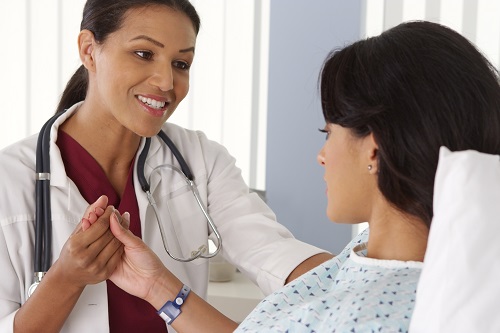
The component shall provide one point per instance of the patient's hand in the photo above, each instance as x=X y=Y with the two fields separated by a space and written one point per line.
x=93 y=212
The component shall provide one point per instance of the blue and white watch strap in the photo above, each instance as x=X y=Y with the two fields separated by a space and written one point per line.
x=172 y=310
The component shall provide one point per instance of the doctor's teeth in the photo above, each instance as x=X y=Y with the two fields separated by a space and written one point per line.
x=152 y=102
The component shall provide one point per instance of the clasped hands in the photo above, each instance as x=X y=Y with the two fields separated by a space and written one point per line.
x=102 y=247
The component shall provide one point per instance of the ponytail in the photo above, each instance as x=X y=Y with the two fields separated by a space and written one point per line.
x=75 y=91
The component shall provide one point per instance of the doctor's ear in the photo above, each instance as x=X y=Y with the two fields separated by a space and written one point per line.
x=87 y=47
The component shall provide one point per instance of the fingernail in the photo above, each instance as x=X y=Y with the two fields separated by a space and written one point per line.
x=126 y=216
x=117 y=216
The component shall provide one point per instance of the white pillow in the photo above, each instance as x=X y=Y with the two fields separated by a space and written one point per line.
x=459 y=289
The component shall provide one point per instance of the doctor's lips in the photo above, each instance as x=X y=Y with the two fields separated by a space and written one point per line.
x=153 y=103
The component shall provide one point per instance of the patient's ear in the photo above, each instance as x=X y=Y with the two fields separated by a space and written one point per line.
x=87 y=47
x=370 y=147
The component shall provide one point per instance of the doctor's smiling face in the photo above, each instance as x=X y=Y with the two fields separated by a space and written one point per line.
x=140 y=73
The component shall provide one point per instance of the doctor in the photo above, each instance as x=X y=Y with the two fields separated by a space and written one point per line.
x=136 y=56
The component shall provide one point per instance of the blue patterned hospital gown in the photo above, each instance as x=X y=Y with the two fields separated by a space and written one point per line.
x=349 y=293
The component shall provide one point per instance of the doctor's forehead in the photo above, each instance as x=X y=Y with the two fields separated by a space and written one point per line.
x=160 y=24
x=158 y=21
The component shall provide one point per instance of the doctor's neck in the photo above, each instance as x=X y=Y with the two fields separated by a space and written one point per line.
x=108 y=142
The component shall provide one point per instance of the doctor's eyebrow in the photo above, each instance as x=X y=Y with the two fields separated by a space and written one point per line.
x=157 y=43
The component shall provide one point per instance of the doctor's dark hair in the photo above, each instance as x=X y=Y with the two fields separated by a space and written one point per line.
x=416 y=87
x=103 y=17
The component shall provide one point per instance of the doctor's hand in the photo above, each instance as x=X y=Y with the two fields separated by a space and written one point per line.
x=93 y=212
x=90 y=256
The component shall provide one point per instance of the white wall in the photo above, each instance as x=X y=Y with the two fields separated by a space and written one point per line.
x=40 y=51
x=475 y=19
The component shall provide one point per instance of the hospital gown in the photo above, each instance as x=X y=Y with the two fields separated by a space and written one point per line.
x=349 y=293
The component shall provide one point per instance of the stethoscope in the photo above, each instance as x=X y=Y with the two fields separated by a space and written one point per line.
x=43 y=219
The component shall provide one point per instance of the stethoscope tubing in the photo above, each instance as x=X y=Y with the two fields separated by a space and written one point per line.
x=189 y=178
x=43 y=231
x=141 y=162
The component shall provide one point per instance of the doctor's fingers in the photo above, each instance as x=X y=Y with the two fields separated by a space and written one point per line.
x=92 y=213
x=107 y=244
x=92 y=264
x=104 y=264
x=88 y=254
x=97 y=229
x=83 y=271
x=91 y=242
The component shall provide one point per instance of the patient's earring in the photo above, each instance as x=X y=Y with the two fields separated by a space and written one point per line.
x=370 y=167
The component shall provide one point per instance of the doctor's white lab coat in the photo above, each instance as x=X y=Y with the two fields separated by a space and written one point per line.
x=252 y=240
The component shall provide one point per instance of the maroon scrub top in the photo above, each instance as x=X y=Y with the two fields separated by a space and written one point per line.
x=127 y=313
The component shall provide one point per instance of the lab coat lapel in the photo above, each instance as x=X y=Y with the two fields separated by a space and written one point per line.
x=59 y=180
x=58 y=175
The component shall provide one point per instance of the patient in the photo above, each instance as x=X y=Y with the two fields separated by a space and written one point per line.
x=389 y=102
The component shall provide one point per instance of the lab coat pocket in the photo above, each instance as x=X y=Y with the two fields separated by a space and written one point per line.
x=185 y=225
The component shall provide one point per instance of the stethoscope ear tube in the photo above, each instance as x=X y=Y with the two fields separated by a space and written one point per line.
x=182 y=162
x=144 y=153
x=39 y=205
x=141 y=161
x=43 y=219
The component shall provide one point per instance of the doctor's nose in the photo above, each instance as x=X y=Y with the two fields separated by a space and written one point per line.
x=163 y=78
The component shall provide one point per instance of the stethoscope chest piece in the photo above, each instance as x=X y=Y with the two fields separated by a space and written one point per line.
x=32 y=288
x=38 y=279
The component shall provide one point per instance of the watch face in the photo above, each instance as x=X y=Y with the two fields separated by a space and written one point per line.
x=32 y=288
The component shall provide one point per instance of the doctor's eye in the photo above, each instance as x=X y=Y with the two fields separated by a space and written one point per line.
x=146 y=55
x=182 y=65
x=327 y=132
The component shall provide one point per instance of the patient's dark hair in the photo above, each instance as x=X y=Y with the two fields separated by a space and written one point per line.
x=416 y=87
x=103 y=17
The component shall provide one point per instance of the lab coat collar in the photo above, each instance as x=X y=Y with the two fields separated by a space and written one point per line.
x=58 y=175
